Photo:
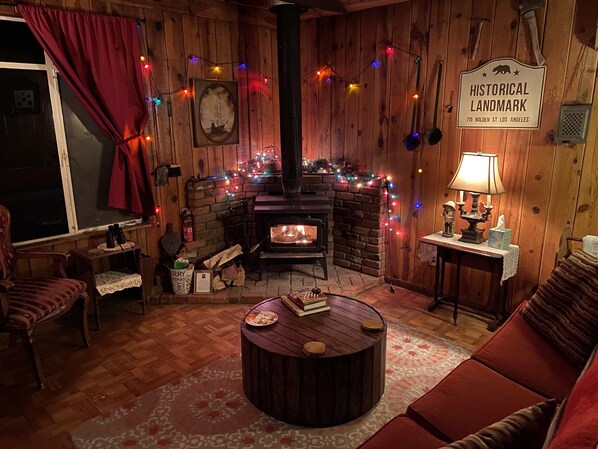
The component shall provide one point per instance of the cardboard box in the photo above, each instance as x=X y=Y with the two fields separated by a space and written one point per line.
x=499 y=238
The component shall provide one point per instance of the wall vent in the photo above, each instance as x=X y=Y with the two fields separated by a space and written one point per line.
x=573 y=123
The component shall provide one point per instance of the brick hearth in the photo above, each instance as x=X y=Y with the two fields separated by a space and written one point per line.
x=223 y=216
x=279 y=280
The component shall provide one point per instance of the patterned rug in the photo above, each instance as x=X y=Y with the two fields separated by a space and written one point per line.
x=207 y=409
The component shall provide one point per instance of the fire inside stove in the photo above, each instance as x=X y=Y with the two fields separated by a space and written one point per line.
x=293 y=234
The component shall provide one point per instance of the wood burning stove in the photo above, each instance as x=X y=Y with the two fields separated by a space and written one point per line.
x=292 y=229
x=293 y=226
x=295 y=234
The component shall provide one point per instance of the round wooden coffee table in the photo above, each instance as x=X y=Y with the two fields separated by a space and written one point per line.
x=342 y=384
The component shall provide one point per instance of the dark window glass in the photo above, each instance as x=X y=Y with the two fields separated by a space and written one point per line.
x=17 y=43
x=30 y=181
x=91 y=154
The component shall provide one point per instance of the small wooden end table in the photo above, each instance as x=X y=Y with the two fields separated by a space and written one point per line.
x=341 y=385
x=477 y=256
x=89 y=264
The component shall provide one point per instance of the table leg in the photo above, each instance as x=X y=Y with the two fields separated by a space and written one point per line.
x=456 y=300
x=502 y=307
x=438 y=286
x=96 y=303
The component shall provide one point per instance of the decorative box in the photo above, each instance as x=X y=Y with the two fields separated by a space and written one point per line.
x=499 y=238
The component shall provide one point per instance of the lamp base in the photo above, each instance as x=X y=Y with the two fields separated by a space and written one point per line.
x=474 y=235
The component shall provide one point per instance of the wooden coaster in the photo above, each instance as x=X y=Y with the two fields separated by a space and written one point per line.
x=94 y=251
x=372 y=325
x=314 y=348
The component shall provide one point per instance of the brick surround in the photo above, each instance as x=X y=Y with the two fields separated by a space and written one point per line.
x=223 y=215
x=358 y=231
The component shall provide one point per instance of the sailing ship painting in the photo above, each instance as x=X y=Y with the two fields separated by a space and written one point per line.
x=216 y=108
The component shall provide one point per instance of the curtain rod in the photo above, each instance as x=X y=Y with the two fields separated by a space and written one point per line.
x=15 y=4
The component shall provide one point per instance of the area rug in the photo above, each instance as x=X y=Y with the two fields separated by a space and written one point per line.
x=208 y=409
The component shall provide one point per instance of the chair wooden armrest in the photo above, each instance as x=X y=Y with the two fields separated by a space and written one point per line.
x=5 y=285
x=60 y=259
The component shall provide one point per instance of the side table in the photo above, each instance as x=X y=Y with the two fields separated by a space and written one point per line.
x=111 y=271
x=501 y=264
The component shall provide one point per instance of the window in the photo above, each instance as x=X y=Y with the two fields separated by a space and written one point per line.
x=55 y=163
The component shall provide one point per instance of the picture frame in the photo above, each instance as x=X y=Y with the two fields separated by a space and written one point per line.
x=202 y=281
x=215 y=112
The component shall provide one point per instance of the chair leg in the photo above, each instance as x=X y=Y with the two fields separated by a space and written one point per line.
x=84 y=304
x=28 y=341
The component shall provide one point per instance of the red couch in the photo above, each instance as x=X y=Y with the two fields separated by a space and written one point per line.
x=517 y=367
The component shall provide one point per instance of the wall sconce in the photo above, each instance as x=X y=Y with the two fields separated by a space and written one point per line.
x=477 y=174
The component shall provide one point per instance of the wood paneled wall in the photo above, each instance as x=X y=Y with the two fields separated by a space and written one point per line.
x=549 y=186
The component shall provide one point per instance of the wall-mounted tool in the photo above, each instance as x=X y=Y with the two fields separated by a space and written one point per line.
x=411 y=140
x=478 y=25
x=527 y=9
x=432 y=136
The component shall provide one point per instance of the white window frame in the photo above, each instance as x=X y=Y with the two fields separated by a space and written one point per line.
x=61 y=144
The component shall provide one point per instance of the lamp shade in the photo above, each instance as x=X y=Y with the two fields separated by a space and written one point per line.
x=478 y=173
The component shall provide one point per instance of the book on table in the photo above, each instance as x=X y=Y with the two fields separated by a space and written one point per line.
x=308 y=297
x=307 y=301
x=300 y=311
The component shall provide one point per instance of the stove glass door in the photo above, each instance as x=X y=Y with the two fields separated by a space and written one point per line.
x=293 y=235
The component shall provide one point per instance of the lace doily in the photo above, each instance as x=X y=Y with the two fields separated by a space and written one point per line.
x=117 y=247
x=510 y=263
x=114 y=281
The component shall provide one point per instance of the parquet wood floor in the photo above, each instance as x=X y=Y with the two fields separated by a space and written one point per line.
x=135 y=353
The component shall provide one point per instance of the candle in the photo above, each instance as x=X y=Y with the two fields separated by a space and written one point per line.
x=460 y=196
x=489 y=198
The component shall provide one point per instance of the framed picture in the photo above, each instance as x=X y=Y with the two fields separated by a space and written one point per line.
x=202 y=282
x=215 y=112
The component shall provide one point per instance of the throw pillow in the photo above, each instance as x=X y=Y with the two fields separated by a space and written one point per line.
x=575 y=425
x=524 y=429
x=565 y=307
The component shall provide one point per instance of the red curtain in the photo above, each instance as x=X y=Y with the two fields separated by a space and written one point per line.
x=98 y=56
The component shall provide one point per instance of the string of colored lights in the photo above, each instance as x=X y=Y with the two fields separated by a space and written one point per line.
x=326 y=72
x=267 y=163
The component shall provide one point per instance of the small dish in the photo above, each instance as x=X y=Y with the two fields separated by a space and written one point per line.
x=261 y=319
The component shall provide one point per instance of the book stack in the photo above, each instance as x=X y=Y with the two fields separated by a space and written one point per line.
x=306 y=302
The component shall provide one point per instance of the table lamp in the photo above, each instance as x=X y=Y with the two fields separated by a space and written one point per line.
x=477 y=174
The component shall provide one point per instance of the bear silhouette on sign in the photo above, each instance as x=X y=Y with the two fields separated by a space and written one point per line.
x=501 y=69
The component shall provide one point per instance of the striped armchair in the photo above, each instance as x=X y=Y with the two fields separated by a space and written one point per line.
x=27 y=302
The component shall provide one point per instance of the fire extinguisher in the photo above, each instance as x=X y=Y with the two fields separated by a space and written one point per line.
x=187 y=220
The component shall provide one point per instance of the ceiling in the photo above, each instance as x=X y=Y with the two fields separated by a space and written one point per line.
x=349 y=5
x=228 y=9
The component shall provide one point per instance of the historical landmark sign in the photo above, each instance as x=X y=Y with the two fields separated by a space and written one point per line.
x=503 y=93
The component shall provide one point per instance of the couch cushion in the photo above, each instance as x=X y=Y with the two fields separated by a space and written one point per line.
x=535 y=364
x=576 y=424
x=402 y=433
x=524 y=429
x=468 y=399
x=565 y=307
x=32 y=299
